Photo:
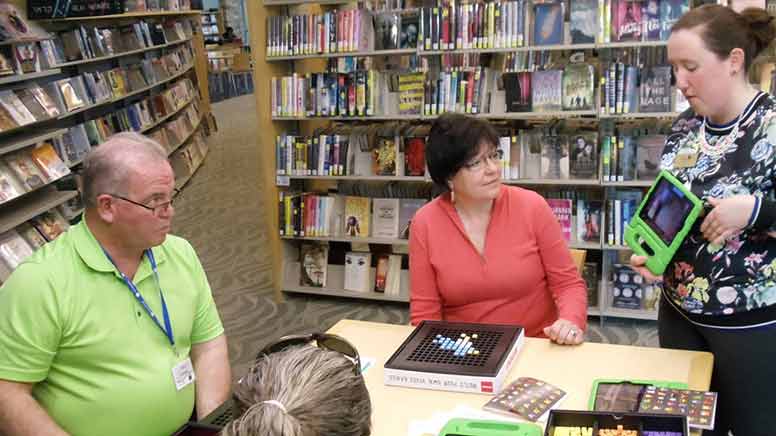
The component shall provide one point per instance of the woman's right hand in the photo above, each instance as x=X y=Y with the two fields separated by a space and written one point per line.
x=638 y=264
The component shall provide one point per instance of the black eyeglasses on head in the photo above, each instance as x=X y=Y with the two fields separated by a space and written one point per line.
x=322 y=340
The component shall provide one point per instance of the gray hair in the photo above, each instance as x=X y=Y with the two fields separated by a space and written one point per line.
x=318 y=391
x=107 y=167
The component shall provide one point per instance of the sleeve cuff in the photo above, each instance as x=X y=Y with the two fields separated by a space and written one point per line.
x=766 y=216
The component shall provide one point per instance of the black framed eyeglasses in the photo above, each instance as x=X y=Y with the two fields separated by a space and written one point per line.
x=156 y=210
x=326 y=341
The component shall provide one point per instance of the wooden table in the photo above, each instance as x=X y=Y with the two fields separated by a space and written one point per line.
x=570 y=368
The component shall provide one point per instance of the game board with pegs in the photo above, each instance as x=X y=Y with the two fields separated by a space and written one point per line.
x=462 y=357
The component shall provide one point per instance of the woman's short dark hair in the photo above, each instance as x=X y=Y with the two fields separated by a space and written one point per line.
x=455 y=139
x=722 y=29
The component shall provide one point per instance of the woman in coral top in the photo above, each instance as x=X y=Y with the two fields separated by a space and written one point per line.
x=489 y=253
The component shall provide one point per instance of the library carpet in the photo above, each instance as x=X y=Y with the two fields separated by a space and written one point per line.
x=220 y=212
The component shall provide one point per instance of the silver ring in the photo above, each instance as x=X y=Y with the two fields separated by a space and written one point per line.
x=573 y=332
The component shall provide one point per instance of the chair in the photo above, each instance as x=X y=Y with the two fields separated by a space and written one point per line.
x=578 y=256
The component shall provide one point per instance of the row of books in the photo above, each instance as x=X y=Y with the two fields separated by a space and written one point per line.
x=76 y=142
x=628 y=88
x=19 y=58
x=187 y=159
x=44 y=9
x=87 y=42
x=311 y=214
x=619 y=211
x=28 y=169
x=35 y=103
x=327 y=94
x=457 y=25
x=329 y=153
x=314 y=263
x=18 y=244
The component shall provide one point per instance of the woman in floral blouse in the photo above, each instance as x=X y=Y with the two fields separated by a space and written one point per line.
x=720 y=289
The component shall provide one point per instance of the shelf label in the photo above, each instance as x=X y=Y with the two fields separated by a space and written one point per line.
x=283 y=181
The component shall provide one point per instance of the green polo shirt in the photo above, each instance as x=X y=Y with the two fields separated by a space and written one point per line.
x=100 y=365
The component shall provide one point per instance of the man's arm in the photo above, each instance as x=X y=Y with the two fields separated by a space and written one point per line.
x=21 y=415
x=213 y=375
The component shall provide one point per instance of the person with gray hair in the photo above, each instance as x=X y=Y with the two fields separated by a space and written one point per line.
x=112 y=328
x=302 y=391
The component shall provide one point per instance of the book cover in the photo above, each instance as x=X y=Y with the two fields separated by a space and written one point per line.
x=546 y=87
x=415 y=156
x=589 y=220
x=357 y=271
x=9 y=185
x=517 y=87
x=15 y=108
x=357 y=216
x=584 y=21
x=531 y=161
x=555 y=157
x=44 y=100
x=670 y=12
x=32 y=105
x=411 y=93
x=548 y=23
x=314 y=259
x=407 y=209
x=626 y=20
x=652 y=20
x=583 y=162
x=48 y=161
x=50 y=224
x=27 y=60
x=6 y=122
x=655 y=90
x=31 y=235
x=13 y=249
x=393 y=281
x=7 y=64
x=561 y=207
x=649 y=150
x=25 y=170
x=385 y=217
x=381 y=272
x=387 y=29
x=409 y=31
x=72 y=100
x=578 y=87
x=528 y=398
x=384 y=157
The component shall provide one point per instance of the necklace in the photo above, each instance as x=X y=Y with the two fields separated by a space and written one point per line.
x=722 y=143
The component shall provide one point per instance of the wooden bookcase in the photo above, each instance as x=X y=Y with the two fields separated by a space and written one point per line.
x=284 y=249
x=31 y=203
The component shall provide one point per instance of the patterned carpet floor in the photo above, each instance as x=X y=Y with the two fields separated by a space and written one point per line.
x=220 y=212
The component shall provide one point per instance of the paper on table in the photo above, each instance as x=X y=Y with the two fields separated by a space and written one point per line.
x=433 y=425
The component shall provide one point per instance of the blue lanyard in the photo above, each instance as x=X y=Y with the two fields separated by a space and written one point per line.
x=167 y=328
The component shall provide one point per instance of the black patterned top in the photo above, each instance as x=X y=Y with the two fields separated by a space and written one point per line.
x=739 y=276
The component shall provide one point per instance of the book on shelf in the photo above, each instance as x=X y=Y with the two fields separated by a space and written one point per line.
x=410 y=26
x=27 y=59
x=25 y=170
x=407 y=209
x=358 y=272
x=670 y=12
x=384 y=157
x=71 y=208
x=649 y=150
x=7 y=61
x=591 y=276
x=562 y=210
x=517 y=87
x=49 y=162
x=578 y=87
x=655 y=89
x=357 y=216
x=414 y=156
x=627 y=21
x=13 y=249
x=15 y=108
x=388 y=274
x=45 y=100
x=583 y=159
x=314 y=262
x=627 y=288
x=385 y=217
x=589 y=220
x=546 y=89
x=31 y=103
x=70 y=96
x=31 y=235
x=548 y=23
x=411 y=93
x=584 y=21
x=10 y=187
x=555 y=157
x=387 y=27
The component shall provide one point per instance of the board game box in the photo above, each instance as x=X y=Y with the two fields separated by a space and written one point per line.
x=453 y=356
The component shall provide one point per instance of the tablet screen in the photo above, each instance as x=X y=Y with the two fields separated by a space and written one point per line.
x=665 y=210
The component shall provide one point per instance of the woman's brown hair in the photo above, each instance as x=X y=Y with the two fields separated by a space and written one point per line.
x=722 y=29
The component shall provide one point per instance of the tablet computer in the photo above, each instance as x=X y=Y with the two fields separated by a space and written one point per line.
x=662 y=221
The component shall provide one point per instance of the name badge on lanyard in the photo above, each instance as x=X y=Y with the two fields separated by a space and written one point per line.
x=183 y=372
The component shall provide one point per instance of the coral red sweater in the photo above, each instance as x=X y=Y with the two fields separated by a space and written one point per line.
x=526 y=275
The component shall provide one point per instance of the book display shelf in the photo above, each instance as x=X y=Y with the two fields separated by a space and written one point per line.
x=580 y=92
x=66 y=85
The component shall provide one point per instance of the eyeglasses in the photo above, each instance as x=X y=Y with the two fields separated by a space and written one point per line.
x=322 y=340
x=479 y=163
x=156 y=210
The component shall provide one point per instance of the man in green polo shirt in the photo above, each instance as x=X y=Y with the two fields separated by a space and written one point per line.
x=111 y=329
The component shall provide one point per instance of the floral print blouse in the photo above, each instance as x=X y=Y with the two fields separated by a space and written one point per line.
x=739 y=276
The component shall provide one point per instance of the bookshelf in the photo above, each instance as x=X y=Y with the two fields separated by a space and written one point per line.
x=285 y=248
x=138 y=77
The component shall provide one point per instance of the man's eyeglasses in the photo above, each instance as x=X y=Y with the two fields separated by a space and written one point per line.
x=322 y=340
x=479 y=163
x=158 y=209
